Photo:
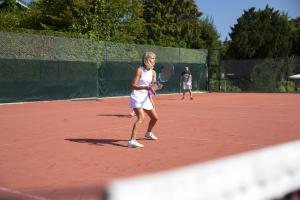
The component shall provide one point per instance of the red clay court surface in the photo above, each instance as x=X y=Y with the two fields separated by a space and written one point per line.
x=61 y=150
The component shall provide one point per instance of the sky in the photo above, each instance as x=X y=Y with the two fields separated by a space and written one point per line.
x=226 y=12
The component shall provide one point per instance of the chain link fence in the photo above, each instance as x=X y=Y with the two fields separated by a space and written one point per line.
x=40 y=67
x=253 y=75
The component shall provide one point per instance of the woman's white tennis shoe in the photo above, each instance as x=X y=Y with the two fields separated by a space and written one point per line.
x=150 y=136
x=134 y=144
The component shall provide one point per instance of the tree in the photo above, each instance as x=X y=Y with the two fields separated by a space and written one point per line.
x=48 y=15
x=129 y=24
x=9 y=5
x=188 y=17
x=260 y=34
x=295 y=36
x=117 y=21
x=209 y=34
x=172 y=23
x=11 y=15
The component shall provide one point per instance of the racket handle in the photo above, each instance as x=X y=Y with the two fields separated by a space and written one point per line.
x=151 y=92
x=159 y=85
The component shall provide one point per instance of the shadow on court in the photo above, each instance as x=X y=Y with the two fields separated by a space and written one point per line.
x=100 y=142
x=116 y=115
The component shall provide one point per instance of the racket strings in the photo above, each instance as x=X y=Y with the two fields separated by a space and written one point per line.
x=166 y=72
x=164 y=75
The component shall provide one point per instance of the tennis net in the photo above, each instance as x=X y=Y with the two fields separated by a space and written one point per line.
x=270 y=173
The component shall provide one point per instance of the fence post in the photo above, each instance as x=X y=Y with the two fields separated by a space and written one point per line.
x=208 y=69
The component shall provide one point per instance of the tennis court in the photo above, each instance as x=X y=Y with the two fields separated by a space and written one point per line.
x=71 y=149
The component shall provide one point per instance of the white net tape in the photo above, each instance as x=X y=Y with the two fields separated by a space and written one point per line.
x=257 y=175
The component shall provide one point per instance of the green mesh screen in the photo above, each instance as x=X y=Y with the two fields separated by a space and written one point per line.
x=42 y=47
x=116 y=77
x=39 y=67
x=252 y=75
x=29 y=80
x=260 y=75
x=121 y=60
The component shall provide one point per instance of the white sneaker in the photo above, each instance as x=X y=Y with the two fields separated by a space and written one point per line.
x=134 y=144
x=150 y=136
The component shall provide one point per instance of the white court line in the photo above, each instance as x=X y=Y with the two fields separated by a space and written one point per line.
x=126 y=96
x=33 y=197
x=88 y=98
x=21 y=103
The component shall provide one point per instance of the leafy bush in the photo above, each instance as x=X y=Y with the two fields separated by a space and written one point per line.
x=286 y=86
x=225 y=86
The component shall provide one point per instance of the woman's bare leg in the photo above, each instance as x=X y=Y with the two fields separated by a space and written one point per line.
x=153 y=119
x=139 y=120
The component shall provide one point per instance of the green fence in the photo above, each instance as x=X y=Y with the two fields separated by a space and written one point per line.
x=121 y=60
x=259 y=75
x=252 y=75
x=29 y=80
x=39 y=67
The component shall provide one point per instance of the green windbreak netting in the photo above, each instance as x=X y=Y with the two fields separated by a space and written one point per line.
x=260 y=75
x=117 y=76
x=39 y=67
x=30 y=80
x=42 y=47
x=121 y=61
x=252 y=75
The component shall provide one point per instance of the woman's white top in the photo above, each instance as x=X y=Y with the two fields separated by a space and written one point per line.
x=140 y=98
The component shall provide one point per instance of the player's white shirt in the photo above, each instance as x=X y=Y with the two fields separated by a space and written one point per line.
x=140 y=98
x=186 y=80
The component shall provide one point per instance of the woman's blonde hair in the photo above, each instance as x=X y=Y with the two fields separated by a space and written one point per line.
x=146 y=57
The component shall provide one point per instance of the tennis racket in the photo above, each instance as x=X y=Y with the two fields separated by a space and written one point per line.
x=164 y=75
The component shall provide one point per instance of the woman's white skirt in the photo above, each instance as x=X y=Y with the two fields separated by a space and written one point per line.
x=140 y=99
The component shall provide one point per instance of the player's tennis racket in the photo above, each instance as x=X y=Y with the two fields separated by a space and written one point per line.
x=165 y=74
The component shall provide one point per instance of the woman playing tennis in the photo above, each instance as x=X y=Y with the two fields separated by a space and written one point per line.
x=140 y=100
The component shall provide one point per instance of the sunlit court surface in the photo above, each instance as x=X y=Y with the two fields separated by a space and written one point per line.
x=72 y=149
